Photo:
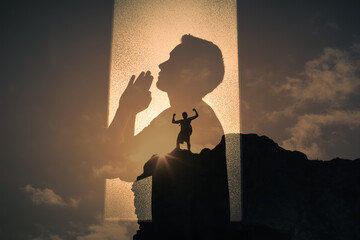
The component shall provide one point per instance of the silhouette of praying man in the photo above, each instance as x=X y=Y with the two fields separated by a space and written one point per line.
x=194 y=69
x=186 y=129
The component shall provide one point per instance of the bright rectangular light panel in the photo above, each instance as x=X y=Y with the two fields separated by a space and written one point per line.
x=144 y=33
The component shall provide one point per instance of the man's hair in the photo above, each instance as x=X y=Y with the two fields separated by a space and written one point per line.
x=209 y=57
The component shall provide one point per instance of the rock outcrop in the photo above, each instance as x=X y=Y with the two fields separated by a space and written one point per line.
x=285 y=195
x=190 y=197
x=300 y=198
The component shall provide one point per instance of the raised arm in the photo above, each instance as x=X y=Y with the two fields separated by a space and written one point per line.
x=196 y=114
x=120 y=142
x=173 y=119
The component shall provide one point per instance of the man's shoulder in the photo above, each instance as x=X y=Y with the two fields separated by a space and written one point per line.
x=164 y=116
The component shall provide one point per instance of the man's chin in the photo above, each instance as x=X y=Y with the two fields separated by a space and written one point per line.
x=160 y=86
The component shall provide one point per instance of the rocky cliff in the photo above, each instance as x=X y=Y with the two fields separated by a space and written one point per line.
x=285 y=195
x=303 y=199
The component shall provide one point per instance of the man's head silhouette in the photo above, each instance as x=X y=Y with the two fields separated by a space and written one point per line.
x=194 y=69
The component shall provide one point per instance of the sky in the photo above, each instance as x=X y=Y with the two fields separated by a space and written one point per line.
x=299 y=68
x=54 y=82
x=300 y=79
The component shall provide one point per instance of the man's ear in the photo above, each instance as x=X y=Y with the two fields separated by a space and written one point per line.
x=204 y=73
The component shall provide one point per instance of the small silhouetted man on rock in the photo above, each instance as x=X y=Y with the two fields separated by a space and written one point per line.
x=186 y=129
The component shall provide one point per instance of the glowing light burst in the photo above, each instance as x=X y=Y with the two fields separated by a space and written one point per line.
x=144 y=33
x=163 y=160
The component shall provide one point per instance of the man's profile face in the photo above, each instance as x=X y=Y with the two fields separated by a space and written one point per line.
x=177 y=72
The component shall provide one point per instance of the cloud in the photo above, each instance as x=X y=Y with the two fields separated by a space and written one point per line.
x=50 y=237
x=306 y=134
x=320 y=97
x=45 y=196
x=106 y=230
x=331 y=78
x=48 y=196
x=111 y=230
x=286 y=112
x=73 y=202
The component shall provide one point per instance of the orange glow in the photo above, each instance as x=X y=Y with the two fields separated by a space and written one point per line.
x=144 y=33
